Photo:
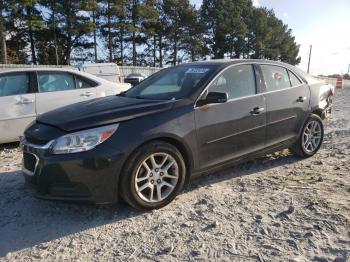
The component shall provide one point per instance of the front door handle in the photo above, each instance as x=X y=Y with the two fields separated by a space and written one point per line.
x=257 y=110
x=301 y=99
x=87 y=94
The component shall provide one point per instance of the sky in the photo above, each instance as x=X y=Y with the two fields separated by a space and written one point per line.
x=324 y=24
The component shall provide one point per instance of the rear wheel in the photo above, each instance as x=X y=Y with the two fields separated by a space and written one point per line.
x=153 y=176
x=310 y=139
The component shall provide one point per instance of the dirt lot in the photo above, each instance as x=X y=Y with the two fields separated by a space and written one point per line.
x=276 y=208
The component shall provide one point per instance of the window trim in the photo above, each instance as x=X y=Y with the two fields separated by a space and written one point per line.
x=257 y=88
x=30 y=81
x=55 y=72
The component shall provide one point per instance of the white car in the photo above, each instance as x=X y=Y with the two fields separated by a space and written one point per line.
x=28 y=92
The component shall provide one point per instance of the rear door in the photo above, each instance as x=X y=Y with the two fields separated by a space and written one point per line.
x=57 y=89
x=287 y=100
x=17 y=105
x=235 y=128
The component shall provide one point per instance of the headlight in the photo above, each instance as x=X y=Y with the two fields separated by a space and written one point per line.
x=83 y=140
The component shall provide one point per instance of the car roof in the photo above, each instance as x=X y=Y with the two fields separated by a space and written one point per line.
x=226 y=62
x=26 y=69
x=237 y=61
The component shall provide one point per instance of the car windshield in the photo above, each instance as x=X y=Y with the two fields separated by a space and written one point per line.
x=172 y=83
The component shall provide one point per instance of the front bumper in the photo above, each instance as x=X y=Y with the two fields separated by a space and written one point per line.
x=90 y=176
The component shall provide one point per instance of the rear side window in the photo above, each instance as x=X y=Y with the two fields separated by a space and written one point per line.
x=14 y=84
x=276 y=78
x=55 y=81
x=83 y=82
x=236 y=81
x=293 y=79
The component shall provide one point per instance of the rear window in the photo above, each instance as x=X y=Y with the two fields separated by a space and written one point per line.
x=83 y=82
x=293 y=79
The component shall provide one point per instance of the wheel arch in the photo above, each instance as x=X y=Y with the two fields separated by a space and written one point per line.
x=319 y=112
x=174 y=141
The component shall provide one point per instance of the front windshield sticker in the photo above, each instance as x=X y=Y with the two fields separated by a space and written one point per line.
x=197 y=70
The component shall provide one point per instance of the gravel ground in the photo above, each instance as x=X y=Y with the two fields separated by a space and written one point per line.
x=276 y=208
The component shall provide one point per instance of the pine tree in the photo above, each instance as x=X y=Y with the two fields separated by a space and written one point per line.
x=3 y=48
x=73 y=27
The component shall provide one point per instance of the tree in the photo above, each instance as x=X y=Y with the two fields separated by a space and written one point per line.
x=140 y=32
x=3 y=49
x=269 y=38
x=178 y=18
x=193 y=35
x=14 y=40
x=224 y=25
x=73 y=27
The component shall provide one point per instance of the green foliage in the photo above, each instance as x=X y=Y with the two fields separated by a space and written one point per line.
x=142 y=32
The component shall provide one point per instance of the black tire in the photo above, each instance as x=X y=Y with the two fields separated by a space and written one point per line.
x=127 y=182
x=298 y=149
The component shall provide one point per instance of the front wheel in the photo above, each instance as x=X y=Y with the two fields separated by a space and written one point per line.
x=153 y=176
x=310 y=139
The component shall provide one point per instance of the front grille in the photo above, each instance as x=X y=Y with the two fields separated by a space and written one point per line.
x=29 y=161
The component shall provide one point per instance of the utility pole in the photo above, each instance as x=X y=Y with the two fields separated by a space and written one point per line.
x=308 y=65
x=349 y=69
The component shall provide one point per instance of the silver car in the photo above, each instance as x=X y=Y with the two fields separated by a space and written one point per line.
x=28 y=92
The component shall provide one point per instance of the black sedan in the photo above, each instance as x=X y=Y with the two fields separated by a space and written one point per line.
x=145 y=144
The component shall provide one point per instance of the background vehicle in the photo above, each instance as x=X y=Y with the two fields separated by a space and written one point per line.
x=28 y=92
x=107 y=71
x=135 y=78
x=180 y=122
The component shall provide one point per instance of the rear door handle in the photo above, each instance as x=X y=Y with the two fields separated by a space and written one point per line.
x=257 y=110
x=301 y=99
x=25 y=101
x=87 y=94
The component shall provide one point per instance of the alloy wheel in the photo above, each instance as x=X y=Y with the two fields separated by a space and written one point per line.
x=312 y=135
x=156 y=177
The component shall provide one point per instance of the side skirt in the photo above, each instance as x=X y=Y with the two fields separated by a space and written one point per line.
x=243 y=159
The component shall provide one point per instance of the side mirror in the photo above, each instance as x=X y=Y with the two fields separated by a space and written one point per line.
x=213 y=98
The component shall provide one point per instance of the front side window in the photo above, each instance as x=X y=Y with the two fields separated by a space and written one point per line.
x=236 y=81
x=55 y=81
x=14 y=84
x=275 y=77
x=172 y=83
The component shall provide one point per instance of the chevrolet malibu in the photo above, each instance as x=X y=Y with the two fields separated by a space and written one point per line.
x=143 y=145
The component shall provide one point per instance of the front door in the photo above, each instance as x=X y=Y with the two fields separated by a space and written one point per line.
x=235 y=128
x=17 y=105
x=57 y=89
x=287 y=101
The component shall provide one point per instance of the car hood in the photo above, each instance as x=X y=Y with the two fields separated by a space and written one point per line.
x=102 y=111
